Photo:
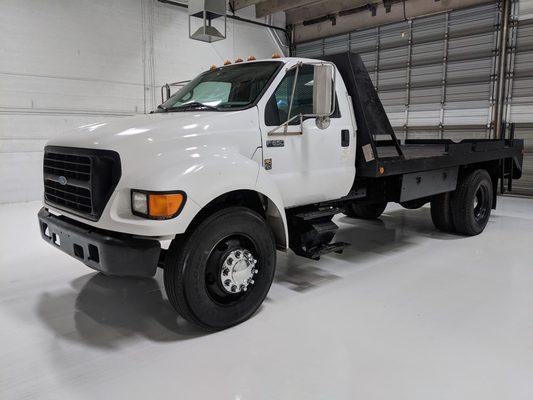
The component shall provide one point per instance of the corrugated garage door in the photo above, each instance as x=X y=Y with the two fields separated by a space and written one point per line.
x=436 y=74
x=520 y=87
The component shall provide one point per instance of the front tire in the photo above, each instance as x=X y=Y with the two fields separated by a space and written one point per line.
x=219 y=275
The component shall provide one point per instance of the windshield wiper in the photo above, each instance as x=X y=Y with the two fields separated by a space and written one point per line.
x=192 y=105
x=161 y=107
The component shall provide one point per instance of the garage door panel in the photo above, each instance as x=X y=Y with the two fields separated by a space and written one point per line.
x=423 y=118
x=393 y=97
x=426 y=95
x=338 y=44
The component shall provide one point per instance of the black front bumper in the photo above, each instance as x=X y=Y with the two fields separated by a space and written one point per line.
x=110 y=253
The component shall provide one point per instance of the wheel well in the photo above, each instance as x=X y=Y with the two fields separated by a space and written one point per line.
x=249 y=199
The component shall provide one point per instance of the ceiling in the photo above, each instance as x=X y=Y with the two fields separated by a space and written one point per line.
x=297 y=11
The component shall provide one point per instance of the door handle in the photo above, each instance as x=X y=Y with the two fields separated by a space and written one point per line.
x=345 y=138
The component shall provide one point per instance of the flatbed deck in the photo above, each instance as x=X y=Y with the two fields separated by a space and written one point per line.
x=424 y=155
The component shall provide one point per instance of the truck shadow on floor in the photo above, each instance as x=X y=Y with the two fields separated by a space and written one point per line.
x=108 y=312
x=397 y=230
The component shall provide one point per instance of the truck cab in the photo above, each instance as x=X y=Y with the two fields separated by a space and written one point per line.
x=244 y=160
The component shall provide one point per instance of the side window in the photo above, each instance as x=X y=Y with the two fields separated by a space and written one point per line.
x=303 y=93
x=277 y=109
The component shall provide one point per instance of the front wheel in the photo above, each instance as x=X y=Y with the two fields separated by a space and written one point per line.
x=219 y=275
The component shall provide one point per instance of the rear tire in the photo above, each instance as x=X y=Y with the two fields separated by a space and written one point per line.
x=365 y=211
x=414 y=204
x=208 y=274
x=472 y=203
x=441 y=213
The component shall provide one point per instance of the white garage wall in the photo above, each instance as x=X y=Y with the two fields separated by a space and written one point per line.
x=65 y=63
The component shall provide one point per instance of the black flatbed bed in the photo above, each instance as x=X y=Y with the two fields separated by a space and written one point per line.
x=422 y=155
x=380 y=158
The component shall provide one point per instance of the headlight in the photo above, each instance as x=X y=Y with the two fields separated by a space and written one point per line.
x=157 y=205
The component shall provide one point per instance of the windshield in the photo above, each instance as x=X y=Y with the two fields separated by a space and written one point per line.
x=226 y=88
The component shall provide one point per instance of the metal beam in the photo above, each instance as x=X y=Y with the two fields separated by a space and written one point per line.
x=238 y=4
x=269 y=7
x=324 y=7
x=348 y=22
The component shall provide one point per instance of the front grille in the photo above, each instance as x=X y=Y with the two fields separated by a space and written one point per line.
x=80 y=180
x=68 y=165
x=74 y=197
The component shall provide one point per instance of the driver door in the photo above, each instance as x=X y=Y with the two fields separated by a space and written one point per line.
x=307 y=163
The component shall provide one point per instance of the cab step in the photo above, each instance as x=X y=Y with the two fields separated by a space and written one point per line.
x=318 y=214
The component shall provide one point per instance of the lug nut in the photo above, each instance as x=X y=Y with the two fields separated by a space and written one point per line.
x=255 y=271
x=254 y=262
x=237 y=254
x=225 y=272
x=227 y=282
x=251 y=281
x=233 y=288
x=230 y=261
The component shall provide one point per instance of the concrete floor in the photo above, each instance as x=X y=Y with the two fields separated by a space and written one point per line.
x=405 y=313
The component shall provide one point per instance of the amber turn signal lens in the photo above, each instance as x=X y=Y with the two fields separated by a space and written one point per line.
x=165 y=205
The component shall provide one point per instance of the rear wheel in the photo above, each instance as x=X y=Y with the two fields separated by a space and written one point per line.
x=414 y=204
x=219 y=275
x=441 y=213
x=365 y=211
x=472 y=203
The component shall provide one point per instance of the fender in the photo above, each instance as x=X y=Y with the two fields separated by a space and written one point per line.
x=203 y=173
x=234 y=172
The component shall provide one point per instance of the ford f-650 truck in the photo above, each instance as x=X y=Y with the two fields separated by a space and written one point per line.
x=247 y=159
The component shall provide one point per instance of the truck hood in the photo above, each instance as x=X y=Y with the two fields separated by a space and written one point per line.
x=157 y=132
x=156 y=148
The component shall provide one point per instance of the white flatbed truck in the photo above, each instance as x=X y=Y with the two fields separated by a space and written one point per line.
x=246 y=159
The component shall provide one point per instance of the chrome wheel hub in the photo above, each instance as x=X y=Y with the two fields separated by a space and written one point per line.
x=237 y=271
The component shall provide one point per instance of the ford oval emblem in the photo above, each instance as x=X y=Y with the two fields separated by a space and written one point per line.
x=62 y=180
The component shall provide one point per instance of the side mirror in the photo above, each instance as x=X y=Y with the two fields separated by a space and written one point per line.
x=323 y=90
